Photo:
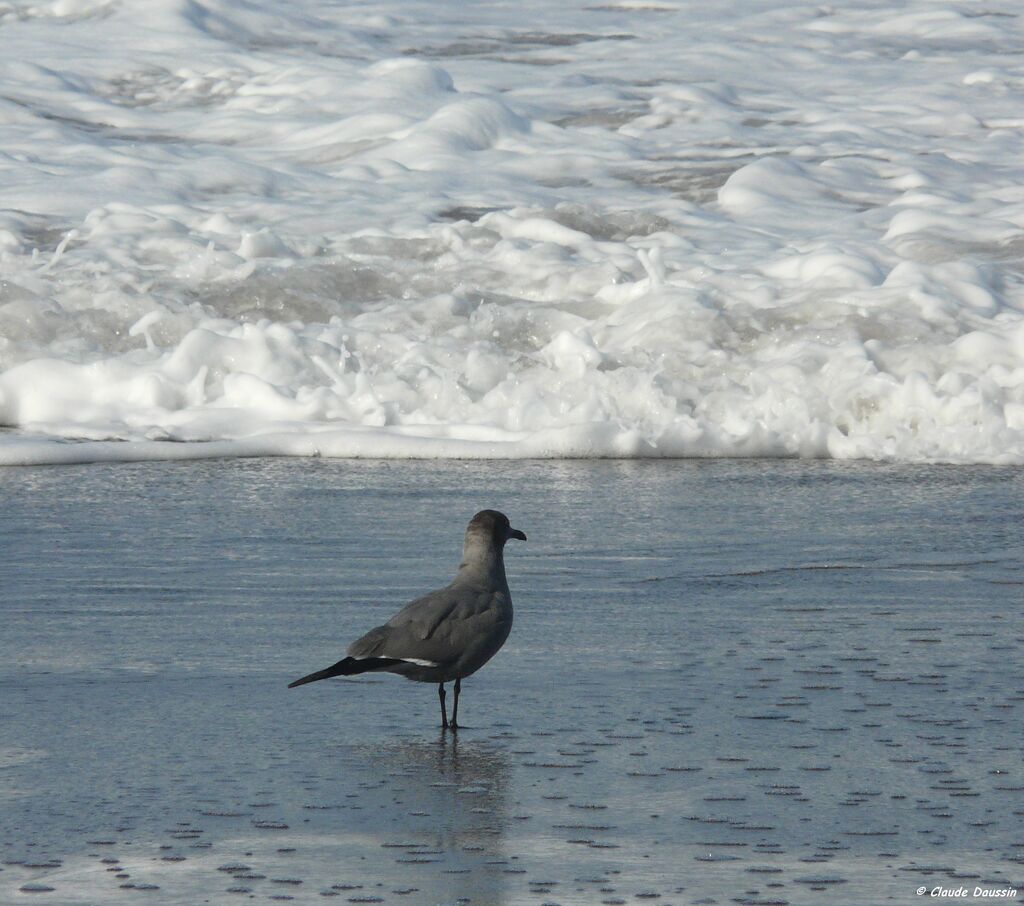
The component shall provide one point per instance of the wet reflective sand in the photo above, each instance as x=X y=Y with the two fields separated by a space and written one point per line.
x=728 y=682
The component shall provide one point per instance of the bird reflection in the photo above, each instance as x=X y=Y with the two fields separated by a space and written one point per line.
x=444 y=814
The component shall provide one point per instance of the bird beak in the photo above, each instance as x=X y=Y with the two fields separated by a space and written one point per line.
x=515 y=533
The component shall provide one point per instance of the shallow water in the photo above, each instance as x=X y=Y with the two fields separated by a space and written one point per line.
x=729 y=681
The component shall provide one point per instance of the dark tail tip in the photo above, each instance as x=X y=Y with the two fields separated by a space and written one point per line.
x=343 y=667
x=348 y=666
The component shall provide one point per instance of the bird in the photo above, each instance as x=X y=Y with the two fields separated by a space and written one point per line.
x=447 y=634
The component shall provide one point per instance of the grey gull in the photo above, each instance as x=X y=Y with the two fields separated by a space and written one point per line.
x=448 y=634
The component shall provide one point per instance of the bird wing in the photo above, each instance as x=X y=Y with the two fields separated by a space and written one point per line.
x=404 y=634
x=369 y=645
x=426 y=628
x=422 y=616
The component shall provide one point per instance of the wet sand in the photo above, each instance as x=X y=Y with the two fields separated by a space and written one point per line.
x=728 y=682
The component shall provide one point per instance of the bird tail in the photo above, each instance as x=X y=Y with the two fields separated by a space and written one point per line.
x=348 y=666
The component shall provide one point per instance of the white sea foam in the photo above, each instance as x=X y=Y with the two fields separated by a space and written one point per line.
x=510 y=231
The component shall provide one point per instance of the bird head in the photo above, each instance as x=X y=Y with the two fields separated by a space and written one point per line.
x=494 y=527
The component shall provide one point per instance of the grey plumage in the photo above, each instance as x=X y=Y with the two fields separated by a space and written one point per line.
x=448 y=634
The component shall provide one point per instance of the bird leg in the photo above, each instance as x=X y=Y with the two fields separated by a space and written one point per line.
x=444 y=712
x=455 y=707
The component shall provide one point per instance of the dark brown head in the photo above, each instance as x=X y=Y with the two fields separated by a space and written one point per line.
x=493 y=527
